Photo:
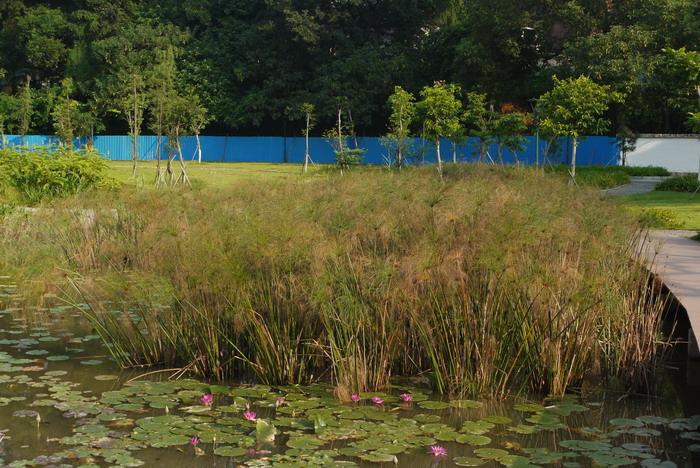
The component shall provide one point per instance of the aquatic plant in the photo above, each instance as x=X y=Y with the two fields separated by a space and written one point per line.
x=494 y=280
x=437 y=451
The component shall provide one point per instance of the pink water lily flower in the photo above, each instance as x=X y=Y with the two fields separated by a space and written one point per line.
x=437 y=451
x=377 y=401
x=207 y=399
x=249 y=415
x=194 y=440
x=406 y=397
x=280 y=401
x=355 y=397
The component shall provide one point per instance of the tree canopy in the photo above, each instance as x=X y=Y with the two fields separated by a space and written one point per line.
x=253 y=63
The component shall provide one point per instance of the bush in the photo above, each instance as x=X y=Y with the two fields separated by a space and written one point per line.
x=659 y=218
x=44 y=172
x=686 y=183
x=646 y=171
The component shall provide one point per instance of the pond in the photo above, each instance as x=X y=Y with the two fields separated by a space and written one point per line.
x=64 y=402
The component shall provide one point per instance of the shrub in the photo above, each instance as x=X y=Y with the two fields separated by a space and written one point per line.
x=660 y=218
x=646 y=171
x=46 y=172
x=686 y=183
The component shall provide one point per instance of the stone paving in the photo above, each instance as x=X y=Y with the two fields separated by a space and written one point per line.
x=638 y=185
x=676 y=261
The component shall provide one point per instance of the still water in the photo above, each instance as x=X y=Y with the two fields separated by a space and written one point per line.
x=64 y=402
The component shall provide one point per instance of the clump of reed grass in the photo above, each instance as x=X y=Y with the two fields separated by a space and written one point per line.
x=492 y=280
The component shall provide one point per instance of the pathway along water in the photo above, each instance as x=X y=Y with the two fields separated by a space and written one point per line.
x=64 y=403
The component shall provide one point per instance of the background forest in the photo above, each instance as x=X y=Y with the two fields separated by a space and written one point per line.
x=102 y=65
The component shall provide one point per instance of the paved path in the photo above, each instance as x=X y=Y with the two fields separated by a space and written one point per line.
x=638 y=185
x=677 y=263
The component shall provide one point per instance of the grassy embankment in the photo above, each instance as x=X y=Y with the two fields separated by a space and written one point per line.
x=496 y=279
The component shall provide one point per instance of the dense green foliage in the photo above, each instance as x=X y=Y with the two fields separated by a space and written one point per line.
x=686 y=183
x=604 y=177
x=479 y=281
x=253 y=63
x=45 y=172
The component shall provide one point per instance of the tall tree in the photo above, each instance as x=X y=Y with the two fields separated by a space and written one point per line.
x=574 y=108
x=440 y=109
x=402 y=105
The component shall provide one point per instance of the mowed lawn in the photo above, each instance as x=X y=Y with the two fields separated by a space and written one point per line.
x=687 y=209
x=215 y=174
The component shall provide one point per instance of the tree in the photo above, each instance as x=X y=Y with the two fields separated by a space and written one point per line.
x=66 y=114
x=402 y=105
x=162 y=83
x=574 y=108
x=345 y=157
x=480 y=120
x=626 y=141
x=440 y=110
x=129 y=59
x=24 y=110
x=507 y=130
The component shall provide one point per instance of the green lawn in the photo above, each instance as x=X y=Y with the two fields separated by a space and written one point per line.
x=687 y=209
x=215 y=174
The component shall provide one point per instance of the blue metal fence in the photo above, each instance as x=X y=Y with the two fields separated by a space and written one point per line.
x=593 y=150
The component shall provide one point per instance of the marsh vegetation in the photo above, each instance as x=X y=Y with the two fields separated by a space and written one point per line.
x=490 y=281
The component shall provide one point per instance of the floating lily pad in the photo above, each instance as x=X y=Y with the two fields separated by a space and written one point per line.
x=106 y=377
x=230 y=451
x=529 y=407
x=471 y=439
x=433 y=405
x=626 y=422
x=304 y=443
x=378 y=457
x=498 y=419
x=57 y=358
x=490 y=453
x=656 y=463
x=477 y=427
x=468 y=461
x=466 y=404
x=264 y=431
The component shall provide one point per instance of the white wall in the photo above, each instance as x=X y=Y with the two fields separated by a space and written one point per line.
x=674 y=153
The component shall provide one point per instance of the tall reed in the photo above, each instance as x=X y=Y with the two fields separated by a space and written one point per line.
x=492 y=280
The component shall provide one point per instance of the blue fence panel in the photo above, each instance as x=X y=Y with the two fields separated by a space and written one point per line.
x=593 y=150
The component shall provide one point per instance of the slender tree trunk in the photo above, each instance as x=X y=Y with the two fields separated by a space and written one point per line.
x=306 y=152
x=572 y=180
x=135 y=131
x=199 y=147
x=158 y=149
x=399 y=145
x=500 y=154
x=454 y=152
x=439 y=159
x=482 y=151
x=340 y=141
x=352 y=126
x=26 y=108
x=183 y=171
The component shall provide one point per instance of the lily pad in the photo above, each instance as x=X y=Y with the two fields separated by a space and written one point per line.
x=468 y=461
x=471 y=439
x=433 y=405
x=490 y=453
x=230 y=451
